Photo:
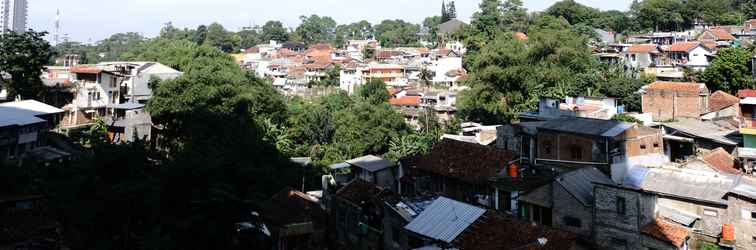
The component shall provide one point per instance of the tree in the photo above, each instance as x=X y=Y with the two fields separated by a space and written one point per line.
x=23 y=56
x=367 y=128
x=368 y=52
x=200 y=35
x=574 y=12
x=452 y=11
x=430 y=26
x=219 y=37
x=660 y=15
x=275 y=31
x=730 y=71
x=486 y=21
x=514 y=16
x=426 y=75
x=444 y=12
x=249 y=38
x=396 y=33
x=355 y=31
x=315 y=29
x=374 y=91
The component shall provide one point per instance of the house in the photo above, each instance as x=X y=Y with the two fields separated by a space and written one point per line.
x=95 y=90
x=693 y=55
x=720 y=36
x=573 y=200
x=374 y=170
x=673 y=100
x=295 y=220
x=399 y=213
x=392 y=74
x=741 y=213
x=685 y=137
x=748 y=127
x=458 y=170
x=357 y=212
x=296 y=47
x=641 y=56
x=604 y=108
x=450 y=224
x=578 y=142
x=23 y=129
x=723 y=106
x=137 y=77
x=130 y=122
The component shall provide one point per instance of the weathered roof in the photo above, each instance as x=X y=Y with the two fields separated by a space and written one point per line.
x=371 y=163
x=445 y=219
x=129 y=105
x=682 y=217
x=683 y=46
x=677 y=86
x=746 y=187
x=720 y=100
x=289 y=206
x=33 y=107
x=24 y=112
x=495 y=231
x=541 y=196
x=358 y=192
x=701 y=129
x=469 y=162
x=693 y=185
x=721 y=34
x=405 y=101
x=666 y=231
x=642 y=48
x=721 y=161
x=86 y=70
x=586 y=126
x=579 y=183
x=743 y=93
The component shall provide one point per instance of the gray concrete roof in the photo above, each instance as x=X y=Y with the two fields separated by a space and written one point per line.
x=450 y=26
x=371 y=163
x=586 y=126
x=580 y=183
x=685 y=184
x=702 y=129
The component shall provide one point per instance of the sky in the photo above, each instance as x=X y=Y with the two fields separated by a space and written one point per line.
x=93 y=20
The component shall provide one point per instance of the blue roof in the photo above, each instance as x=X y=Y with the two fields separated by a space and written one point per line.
x=445 y=219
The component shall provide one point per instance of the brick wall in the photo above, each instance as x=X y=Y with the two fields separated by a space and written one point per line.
x=665 y=105
x=614 y=230
x=567 y=206
x=567 y=147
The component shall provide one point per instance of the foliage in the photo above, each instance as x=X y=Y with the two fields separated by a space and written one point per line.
x=23 y=56
x=367 y=128
x=315 y=29
x=374 y=91
x=574 y=12
x=730 y=71
x=660 y=15
x=95 y=135
x=411 y=145
x=355 y=31
x=430 y=26
x=368 y=52
x=448 y=12
x=220 y=38
x=397 y=33
x=625 y=118
x=275 y=31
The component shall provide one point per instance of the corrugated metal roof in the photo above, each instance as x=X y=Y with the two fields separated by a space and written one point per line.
x=702 y=129
x=541 y=196
x=682 y=217
x=696 y=185
x=580 y=182
x=371 y=163
x=586 y=126
x=746 y=187
x=445 y=219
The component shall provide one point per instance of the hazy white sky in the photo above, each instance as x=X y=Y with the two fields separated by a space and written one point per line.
x=92 y=20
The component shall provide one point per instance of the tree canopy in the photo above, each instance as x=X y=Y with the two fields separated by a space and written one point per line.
x=23 y=56
x=729 y=71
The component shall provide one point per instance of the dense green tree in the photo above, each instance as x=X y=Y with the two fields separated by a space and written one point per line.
x=367 y=128
x=354 y=31
x=660 y=15
x=374 y=91
x=315 y=29
x=23 y=56
x=730 y=71
x=514 y=16
x=249 y=38
x=219 y=37
x=396 y=33
x=451 y=11
x=574 y=12
x=274 y=30
x=171 y=32
x=430 y=26
x=200 y=35
x=486 y=20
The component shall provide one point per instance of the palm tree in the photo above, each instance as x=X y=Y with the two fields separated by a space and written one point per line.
x=425 y=76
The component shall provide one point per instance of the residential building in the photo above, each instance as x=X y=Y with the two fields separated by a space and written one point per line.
x=641 y=56
x=128 y=123
x=723 y=106
x=13 y=14
x=137 y=77
x=448 y=71
x=693 y=55
x=392 y=74
x=604 y=108
x=374 y=170
x=450 y=224
x=458 y=170
x=720 y=36
x=296 y=47
x=686 y=137
x=578 y=142
x=95 y=91
x=674 y=100
x=741 y=213
x=573 y=201
x=748 y=117
x=295 y=220
x=357 y=212
x=23 y=130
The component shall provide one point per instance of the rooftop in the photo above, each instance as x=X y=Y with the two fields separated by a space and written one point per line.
x=579 y=183
x=683 y=46
x=289 y=206
x=686 y=184
x=359 y=192
x=721 y=161
x=701 y=129
x=586 y=126
x=445 y=219
x=493 y=231
x=666 y=231
x=468 y=162
x=677 y=86
x=642 y=48
x=371 y=163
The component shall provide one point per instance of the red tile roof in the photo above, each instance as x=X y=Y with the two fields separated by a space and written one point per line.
x=677 y=86
x=683 y=47
x=743 y=93
x=720 y=100
x=469 y=162
x=520 y=36
x=405 y=101
x=642 y=48
x=722 y=34
x=721 y=161
x=666 y=231
x=86 y=70
x=510 y=233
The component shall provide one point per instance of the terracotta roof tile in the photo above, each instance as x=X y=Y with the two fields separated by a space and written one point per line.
x=721 y=161
x=469 y=162
x=642 y=48
x=86 y=70
x=405 y=101
x=720 y=100
x=520 y=36
x=677 y=86
x=743 y=93
x=683 y=47
x=666 y=231
x=510 y=233
x=722 y=34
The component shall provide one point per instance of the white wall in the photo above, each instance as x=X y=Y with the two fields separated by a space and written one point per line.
x=697 y=57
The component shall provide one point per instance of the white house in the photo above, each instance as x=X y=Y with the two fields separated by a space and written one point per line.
x=447 y=70
x=94 y=91
x=690 y=54
x=641 y=56
x=137 y=76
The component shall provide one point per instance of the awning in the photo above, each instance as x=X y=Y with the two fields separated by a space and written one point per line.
x=678 y=138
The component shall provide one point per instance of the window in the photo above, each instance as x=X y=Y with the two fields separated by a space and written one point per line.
x=753 y=215
x=656 y=145
x=576 y=152
x=572 y=221
x=621 y=209
x=547 y=147
x=710 y=212
x=632 y=57
x=643 y=146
